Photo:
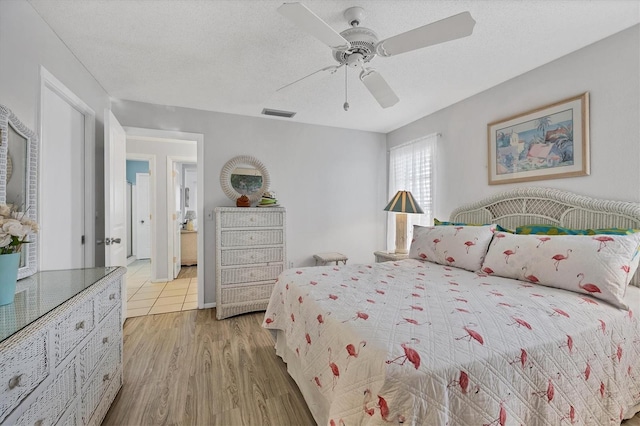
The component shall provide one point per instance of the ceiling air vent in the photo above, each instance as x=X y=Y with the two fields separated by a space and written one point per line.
x=278 y=113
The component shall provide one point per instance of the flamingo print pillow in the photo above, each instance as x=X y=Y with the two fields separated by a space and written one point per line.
x=460 y=246
x=598 y=265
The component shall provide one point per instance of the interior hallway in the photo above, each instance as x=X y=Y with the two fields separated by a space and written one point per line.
x=148 y=298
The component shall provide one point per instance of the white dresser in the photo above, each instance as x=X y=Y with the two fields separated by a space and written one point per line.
x=61 y=348
x=250 y=254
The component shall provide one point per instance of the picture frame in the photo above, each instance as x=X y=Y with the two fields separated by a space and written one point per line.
x=549 y=142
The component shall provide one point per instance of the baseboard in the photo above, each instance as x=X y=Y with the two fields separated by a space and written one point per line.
x=209 y=305
x=130 y=260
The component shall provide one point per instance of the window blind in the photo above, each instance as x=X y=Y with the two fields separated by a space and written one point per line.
x=412 y=168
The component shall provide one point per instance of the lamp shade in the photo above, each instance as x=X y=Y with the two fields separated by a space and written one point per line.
x=191 y=215
x=403 y=202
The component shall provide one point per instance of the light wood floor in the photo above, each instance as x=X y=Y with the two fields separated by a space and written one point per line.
x=187 y=368
x=188 y=272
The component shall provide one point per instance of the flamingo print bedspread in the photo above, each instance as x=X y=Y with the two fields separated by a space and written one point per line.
x=418 y=343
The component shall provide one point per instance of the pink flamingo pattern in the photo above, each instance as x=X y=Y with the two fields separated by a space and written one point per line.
x=560 y=257
x=602 y=241
x=542 y=240
x=353 y=352
x=352 y=341
x=410 y=355
x=470 y=244
x=472 y=334
x=463 y=382
x=548 y=393
x=508 y=253
x=335 y=371
x=522 y=359
x=502 y=417
x=589 y=287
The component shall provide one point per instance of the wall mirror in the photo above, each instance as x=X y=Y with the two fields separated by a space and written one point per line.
x=18 y=179
x=244 y=175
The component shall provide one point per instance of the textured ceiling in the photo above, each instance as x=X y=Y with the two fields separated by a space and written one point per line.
x=231 y=56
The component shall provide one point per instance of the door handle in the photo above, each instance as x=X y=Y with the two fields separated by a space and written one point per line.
x=108 y=241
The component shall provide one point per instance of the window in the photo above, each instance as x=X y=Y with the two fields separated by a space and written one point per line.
x=411 y=168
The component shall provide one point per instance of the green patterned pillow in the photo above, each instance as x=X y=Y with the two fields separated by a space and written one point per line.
x=559 y=230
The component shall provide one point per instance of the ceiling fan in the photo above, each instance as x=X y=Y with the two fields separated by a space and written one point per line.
x=357 y=46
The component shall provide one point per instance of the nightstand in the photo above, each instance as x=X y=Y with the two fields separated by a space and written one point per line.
x=385 y=256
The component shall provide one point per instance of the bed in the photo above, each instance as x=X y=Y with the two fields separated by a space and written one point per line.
x=434 y=341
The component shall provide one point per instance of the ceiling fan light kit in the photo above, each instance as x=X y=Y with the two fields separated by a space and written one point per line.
x=357 y=46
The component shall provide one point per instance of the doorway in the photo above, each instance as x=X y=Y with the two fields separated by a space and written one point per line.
x=139 y=204
x=153 y=285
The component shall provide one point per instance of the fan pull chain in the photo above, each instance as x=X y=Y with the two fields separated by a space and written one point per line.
x=346 y=103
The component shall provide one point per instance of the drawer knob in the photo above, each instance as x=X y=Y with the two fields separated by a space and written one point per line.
x=39 y=422
x=112 y=296
x=80 y=325
x=105 y=340
x=253 y=219
x=15 y=381
x=105 y=377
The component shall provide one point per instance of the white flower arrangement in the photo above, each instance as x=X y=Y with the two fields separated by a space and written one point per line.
x=15 y=227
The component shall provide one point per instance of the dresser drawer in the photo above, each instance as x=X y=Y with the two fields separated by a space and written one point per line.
x=245 y=219
x=22 y=368
x=107 y=299
x=251 y=238
x=244 y=293
x=108 y=397
x=106 y=373
x=249 y=256
x=53 y=401
x=93 y=351
x=248 y=275
x=71 y=329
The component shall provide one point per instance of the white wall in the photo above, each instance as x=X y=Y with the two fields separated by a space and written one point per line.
x=608 y=69
x=161 y=150
x=26 y=43
x=332 y=181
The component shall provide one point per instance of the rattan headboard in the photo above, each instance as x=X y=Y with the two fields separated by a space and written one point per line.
x=528 y=206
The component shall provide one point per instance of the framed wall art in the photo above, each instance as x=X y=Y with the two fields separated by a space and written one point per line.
x=549 y=142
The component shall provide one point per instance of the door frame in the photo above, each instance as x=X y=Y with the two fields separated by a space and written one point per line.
x=48 y=80
x=171 y=162
x=141 y=133
x=151 y=159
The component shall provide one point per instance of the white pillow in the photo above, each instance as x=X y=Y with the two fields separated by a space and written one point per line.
x=459 y=246
x=598 y=265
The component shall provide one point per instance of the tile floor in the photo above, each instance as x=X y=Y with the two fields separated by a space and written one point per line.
x=147 y=298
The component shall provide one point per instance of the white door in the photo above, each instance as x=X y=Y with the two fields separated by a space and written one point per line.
x=62 y=160
x=115 y=184
x=177 y=219
x=143 y=217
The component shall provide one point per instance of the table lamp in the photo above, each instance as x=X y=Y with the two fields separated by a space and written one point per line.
x=402 y=203
x=190 y=216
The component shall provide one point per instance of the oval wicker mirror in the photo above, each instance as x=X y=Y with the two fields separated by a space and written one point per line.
x=244 y=175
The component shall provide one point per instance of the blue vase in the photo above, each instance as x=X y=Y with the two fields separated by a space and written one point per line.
x=8 y=277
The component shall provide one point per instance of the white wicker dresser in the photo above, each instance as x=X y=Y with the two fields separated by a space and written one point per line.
x=250 y=254
x=61 y=348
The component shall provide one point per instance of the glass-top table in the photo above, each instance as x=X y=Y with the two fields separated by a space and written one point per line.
x=42 y=292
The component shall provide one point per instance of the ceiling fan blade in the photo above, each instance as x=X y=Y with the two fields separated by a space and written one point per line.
x=331 y=69
x=379 y=88
x=300 y=15
x=451 y=28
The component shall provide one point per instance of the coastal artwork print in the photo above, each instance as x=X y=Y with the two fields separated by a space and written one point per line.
x=546 y=143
